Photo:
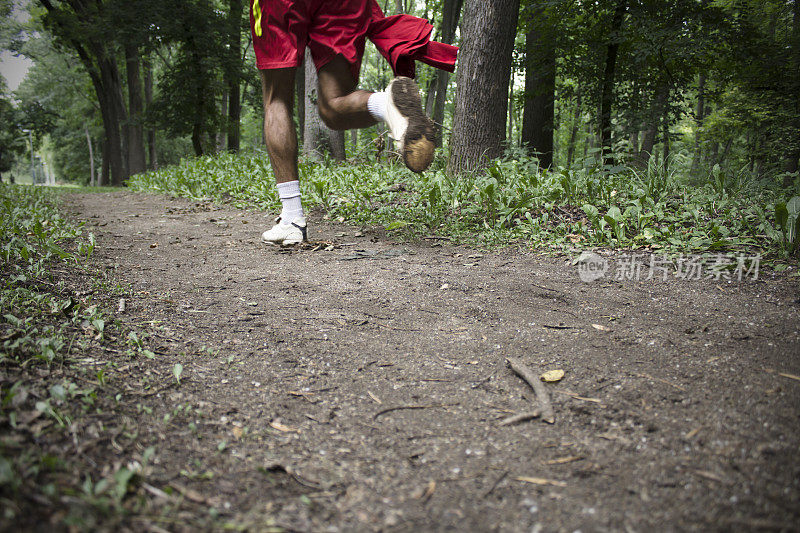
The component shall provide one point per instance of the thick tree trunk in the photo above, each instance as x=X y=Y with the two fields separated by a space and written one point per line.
x=540 y=90
x=197 y=139
x=318 y=140
x=136 y=157
x=451 y=12
x=483 y=74
x=111 y=106
x=607 y=93
x=234 y=83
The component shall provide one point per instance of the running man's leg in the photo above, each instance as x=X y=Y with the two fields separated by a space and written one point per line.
x=277 y=86
x=342 y=107
x=277 y=89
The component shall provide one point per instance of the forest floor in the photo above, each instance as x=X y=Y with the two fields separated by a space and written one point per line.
x=360 y=384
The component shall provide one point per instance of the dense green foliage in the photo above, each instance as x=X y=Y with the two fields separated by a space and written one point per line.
x=515 y=200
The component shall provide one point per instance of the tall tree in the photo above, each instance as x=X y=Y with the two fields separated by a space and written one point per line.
x=233 y=73
x=607 y=84
x=489 y=28
x=136 y=156
x=451 y=12
x=84 y=28
x=540 y=84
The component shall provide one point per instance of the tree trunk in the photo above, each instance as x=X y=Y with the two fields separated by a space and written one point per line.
x=540 y=90
x=510 y=134
x=91 y=155
x=483 y=74
x=111 y=107
x=576 y=120
x=136 y=158
x=793 y=152
x=233 y=82
x=152 y=156
x=607 y=94
x=222 y=136
x=97 y=58
x=105 y=169
x=451 y=12
x=656 y=114
x=318 y=140
x=701 y=111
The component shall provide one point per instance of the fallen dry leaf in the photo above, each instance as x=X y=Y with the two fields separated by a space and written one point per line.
x=281 y=427
x=551 y=376
x=542 y=481
x=237 y=432
x=601 y=327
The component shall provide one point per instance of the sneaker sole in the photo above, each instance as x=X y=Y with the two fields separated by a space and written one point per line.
x=418 y=142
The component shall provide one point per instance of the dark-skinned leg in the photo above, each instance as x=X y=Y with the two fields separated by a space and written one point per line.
x=341 y=105
x=277 y=88
x=279 y=134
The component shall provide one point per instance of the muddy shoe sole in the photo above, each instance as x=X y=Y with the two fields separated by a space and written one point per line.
x=418 y=144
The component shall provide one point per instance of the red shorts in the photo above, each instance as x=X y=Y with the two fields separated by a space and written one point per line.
x=327 y=27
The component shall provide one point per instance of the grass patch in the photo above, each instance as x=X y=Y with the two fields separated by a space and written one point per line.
x=514 y=200
x=63 y=398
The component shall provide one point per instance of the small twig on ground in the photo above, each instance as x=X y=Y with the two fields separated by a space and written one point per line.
x=577 y=397
x=538 y=387
x=495 y=484
x=648 y=376
x=403 y=407
x=522 y=417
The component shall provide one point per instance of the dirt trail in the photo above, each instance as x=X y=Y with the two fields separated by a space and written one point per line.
x=675 y=417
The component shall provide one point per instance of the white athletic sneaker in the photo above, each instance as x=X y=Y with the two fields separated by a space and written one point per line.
x=286 y=234
x=409 y=125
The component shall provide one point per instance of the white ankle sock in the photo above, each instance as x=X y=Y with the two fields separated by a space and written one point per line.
x=289 y=193
x=376 y=105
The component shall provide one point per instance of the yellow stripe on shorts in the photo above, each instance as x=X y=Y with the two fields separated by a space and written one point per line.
x=257 y=17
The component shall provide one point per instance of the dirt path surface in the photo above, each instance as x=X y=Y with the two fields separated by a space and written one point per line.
x=362 y=388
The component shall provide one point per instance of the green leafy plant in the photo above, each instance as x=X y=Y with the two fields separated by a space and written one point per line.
x=787 y=216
